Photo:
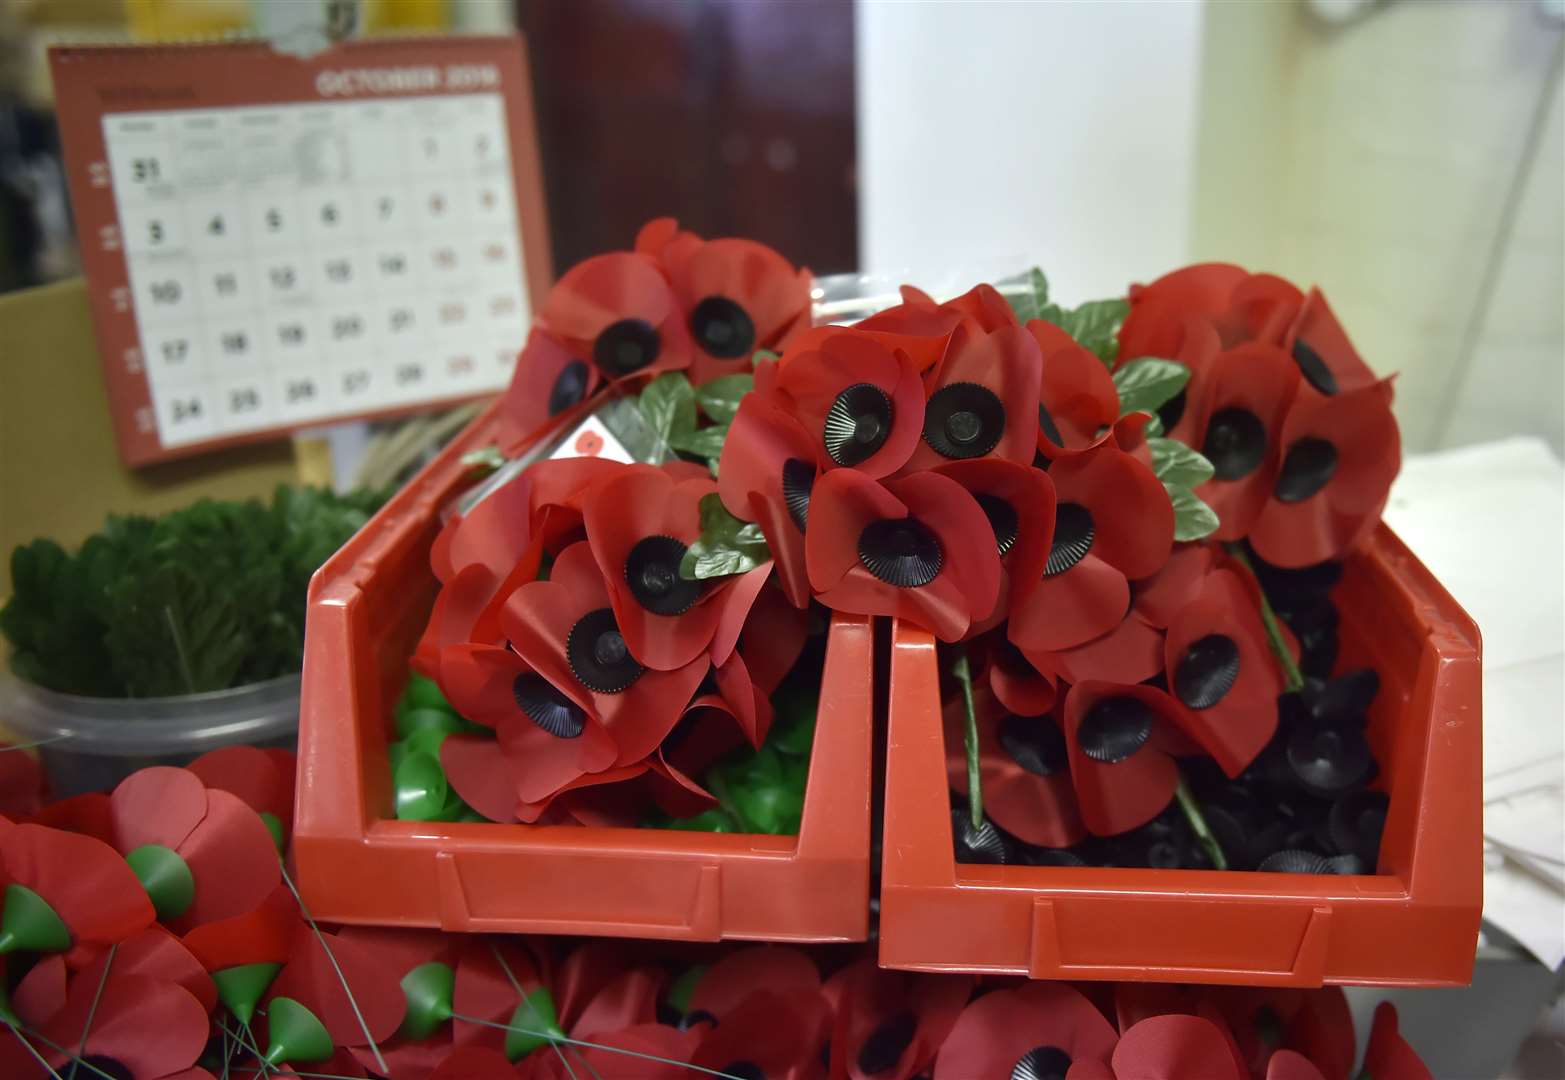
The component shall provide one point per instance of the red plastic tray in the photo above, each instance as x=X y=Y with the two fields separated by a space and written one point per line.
x=357 y=864
x=1415 y=923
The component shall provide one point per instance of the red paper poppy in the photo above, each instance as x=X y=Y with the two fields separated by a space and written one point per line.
x=1018 y=685
x=262 y=779
x=1122 y=740
x=1220 y=668
x=21 y=782
x=640 y=524
x=550 y=380
x=618 y=311
x=352 y=987
x=766 y=475
x=1132 y=652
x=578 y=801
x=1261 y=308
x=473 y=1063
x=264 y=935
x=923 y=327
x=1155 y=324
x=548 y=732
x=1320 y=347
x=860 y=401
x=981 y=400
x=220 y=846
x=1077 y=401
x=629 y=1054
x=155 y=953
x=139 y=1027
x=1172 y=1047
x=1048 y=1026
x=919 y=547
x=85 y=814
x=1291 y=1065
x=737 y=296
x=566 y=631
x=1241 y=399
x=770 y=1035
x=1024 y=769
x=1389 y=1057
x=497 y=982
x=82 y=879
x=1161 y=597
x=889 y=1024
x=1339 y=457
x=494 y=534
x=1113 y=522
x=1018 y=501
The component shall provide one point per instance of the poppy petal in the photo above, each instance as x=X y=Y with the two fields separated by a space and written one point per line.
x=481 y=775
x=1017 y=684
x=746 y=971
x=150 y=1027
x=1154 y=325
x=1000 y=1028
x=626 y=1001
x=1318 y=343
x=550 y=380
x=1174 y=1047
x=1162 y=596
x=262 y=936
x=1237 y=724
x=255 y=776
x=615 y=289
x=1077 y=399
x=999 y=369
x=89 y=886
x=1071 y=608
x=762 y=439
x=1291 y=1065
x=157 y=954
x=1389 y=1057
x=1126 y=783
x=358 y=998
x=1132 y=652
x=737 y=603
x=1132 y=519
x=772 y=639
x=233 y=859
x=158 y=805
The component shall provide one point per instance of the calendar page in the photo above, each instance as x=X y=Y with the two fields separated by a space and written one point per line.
x=272 y=243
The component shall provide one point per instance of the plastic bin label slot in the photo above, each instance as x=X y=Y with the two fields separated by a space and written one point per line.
x=483 y=892
x=1213 y=942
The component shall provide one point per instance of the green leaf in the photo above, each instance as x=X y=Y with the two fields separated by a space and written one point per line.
x=484 y=460
x=1145 y=385
x=719 y=398
x=704 y=442
x=1193 y=519
x=1177 y=465
x=669 y=404
x=727 y=545
x=1094 y=325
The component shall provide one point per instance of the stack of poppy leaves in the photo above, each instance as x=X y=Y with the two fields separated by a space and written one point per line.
x=151 y=934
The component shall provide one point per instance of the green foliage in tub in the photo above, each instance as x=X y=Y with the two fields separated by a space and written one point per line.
x=205 y=598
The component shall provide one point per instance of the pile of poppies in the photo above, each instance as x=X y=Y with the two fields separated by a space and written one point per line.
x=1075 y=502
x=153 y=932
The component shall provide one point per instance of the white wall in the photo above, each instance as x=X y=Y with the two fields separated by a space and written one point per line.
x=1058 y=133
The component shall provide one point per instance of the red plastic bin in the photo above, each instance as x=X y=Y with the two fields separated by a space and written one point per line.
x=358 y=864
x=1415 y=923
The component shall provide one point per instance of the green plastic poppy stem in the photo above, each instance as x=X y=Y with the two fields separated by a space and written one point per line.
x=1293 y=678
x=1203 y=833
x=962 y=672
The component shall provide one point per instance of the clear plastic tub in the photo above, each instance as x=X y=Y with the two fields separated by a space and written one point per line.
x=91 y=743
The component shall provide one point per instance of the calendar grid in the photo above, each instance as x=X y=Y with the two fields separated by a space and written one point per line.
x=289 y=263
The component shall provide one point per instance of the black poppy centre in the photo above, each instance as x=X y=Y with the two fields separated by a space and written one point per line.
x=1003 y=521
x=625 y=347
x=887 y=1043
x=858 y=423
x=652 y=572
x=546 y=707
x=743 y=1070
x=1073 y=534
x=1314 y=369
x=103 y=1065
x=1235 y=443
x=1042 y=1063
x=1035 y=743
x=1309 y=466
x=903 y=552
x=981 y=845
x=570 y=386
x=1329 y=759
x=722 y=328
x=963 y=420
x=1114 y=729
x=1207 y=671
x=1050 y=429
x=598 y=655
x=798 y=482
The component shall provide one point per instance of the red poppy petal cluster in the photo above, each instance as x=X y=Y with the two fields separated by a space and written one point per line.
x=676 y=302
x=1299 y=429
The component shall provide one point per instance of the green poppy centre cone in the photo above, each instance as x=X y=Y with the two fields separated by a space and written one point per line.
x=295 y=1034
x=240 y=987
x=166 y=877
x=30 y=923
x=7 y=1014
x=533 y=1024
x=684 y=987
x=430 y=989
x=274 y=826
